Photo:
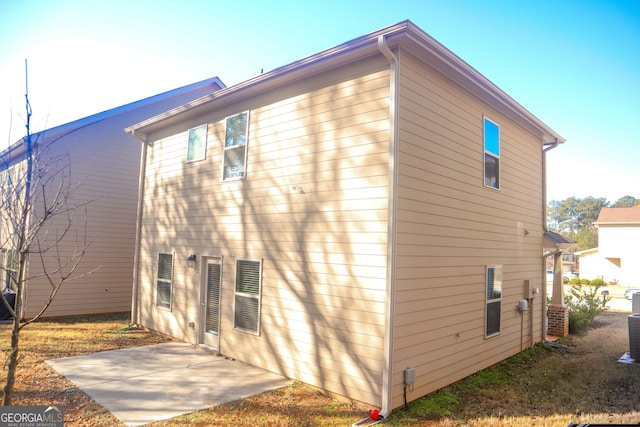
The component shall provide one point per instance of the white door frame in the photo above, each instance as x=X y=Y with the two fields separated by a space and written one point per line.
x=209 y=338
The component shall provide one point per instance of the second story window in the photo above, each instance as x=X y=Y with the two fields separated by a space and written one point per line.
x=197 y=146
x=235 y=146
x=491 y=154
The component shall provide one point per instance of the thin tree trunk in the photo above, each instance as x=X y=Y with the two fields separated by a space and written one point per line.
x=13 y=362
x=22 y=251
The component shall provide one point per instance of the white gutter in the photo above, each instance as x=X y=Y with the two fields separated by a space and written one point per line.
x=387 y=370
x=546 y=147
x=136 y=253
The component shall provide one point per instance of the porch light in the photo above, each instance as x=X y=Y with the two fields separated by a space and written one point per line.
x=191 y=260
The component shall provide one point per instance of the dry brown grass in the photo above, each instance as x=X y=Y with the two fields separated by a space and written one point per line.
x=39 y=384
x=581 y=384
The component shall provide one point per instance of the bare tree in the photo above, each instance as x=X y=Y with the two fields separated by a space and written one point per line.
x=36 y=214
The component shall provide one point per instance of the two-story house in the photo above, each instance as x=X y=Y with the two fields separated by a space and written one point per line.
x=372 y=211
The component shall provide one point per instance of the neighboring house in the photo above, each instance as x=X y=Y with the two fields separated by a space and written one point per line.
x=103 y=162
x=374 y=207
x=569 y=263
x=617 y=257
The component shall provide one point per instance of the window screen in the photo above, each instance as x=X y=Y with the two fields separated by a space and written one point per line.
x=163 y=283
x=247 y=295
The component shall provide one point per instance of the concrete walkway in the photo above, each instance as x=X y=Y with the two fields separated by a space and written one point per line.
x=144 y=384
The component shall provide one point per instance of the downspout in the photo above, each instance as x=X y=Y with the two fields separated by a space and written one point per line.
x=546 y=147
x=387 y=372
x=136 y=253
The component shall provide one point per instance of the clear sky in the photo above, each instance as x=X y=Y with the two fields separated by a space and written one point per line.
x=574 y=64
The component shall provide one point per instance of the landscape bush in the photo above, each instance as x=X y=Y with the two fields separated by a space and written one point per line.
x=585 y=302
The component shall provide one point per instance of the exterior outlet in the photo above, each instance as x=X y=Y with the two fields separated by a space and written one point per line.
x=409 y=375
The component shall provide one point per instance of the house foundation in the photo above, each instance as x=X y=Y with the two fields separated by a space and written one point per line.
x=558 y=317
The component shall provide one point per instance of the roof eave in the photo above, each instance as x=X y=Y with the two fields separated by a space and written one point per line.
x=405 y=34
x=617 y=223
x=455 y=67
x=312 y=65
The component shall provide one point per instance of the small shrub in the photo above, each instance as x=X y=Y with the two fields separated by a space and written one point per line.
x=585 y=303
x=574 y=281
x=596 y=282
x=578 y=322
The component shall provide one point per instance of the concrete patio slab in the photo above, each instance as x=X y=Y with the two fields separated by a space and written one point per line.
x=144 y=384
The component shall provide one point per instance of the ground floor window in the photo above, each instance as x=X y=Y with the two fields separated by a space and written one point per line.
x=11 y=268
x=163 y=282
x=494 y=299
x=247 y=295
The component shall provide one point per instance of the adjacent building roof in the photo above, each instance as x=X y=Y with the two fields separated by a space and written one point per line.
x=587 y=252
x=619 y=216
x=129 y=113
x=553 y=240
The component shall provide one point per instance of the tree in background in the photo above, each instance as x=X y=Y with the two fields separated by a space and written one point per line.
x=626 y=202
x=574 y=217
x=36 y=214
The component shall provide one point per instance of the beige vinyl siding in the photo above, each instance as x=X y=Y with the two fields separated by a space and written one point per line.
x=450 y=227
x=100 y=162
x=313 y=207
x=103 y=180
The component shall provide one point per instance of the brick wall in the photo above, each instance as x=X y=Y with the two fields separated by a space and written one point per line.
x=558 y=317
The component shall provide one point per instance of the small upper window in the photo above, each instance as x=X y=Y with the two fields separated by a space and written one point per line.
x=10 y=174
x=235 y=146
x=197 y=145
x=491 y=154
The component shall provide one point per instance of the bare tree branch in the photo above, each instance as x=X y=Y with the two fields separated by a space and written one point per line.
x=37 y=216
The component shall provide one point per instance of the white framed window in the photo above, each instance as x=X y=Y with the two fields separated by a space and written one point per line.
x=11 y=268
x=8 y=184
x=491 y=137
x=164 y=280
x=197 y=145
x=247 y=295
x=494 y=299
x=235 y=147
x=10 y=176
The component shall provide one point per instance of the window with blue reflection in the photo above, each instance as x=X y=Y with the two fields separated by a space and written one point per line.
x=491 y=135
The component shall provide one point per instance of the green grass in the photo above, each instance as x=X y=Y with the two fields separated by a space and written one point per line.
x=544 y=386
